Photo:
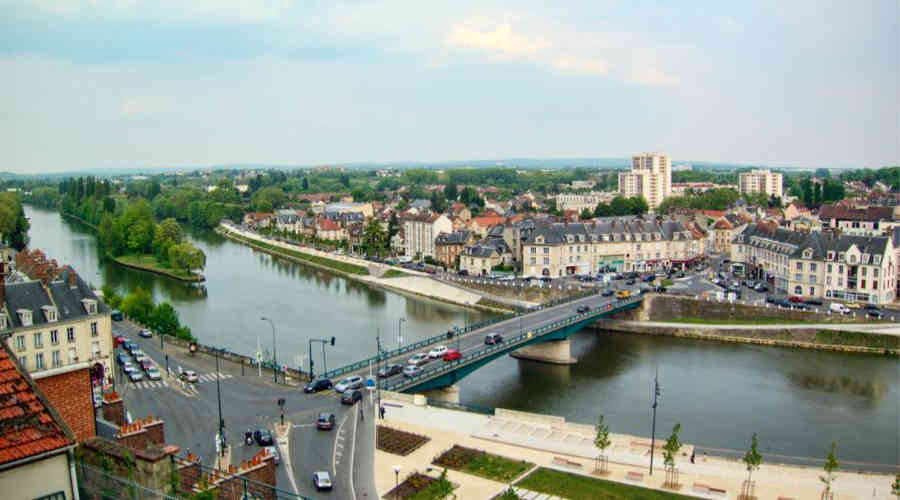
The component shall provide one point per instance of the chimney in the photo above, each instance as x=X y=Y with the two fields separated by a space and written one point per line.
x=73 y=278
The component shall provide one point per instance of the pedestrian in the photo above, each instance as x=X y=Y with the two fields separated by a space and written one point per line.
x=381 y=412
x=693 y=452
x=361 y=417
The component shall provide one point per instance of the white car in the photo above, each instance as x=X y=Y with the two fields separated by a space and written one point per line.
x=322 y=481
x=437 y=352
x=354 y=382
x=189 y=376
x=411 y=370
x=153 y=373
x=145 y=333
x=418 y=359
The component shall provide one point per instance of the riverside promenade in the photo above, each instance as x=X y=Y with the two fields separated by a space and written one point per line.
x=550 y=442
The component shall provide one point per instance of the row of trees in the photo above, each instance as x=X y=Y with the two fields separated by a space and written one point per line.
x=815 y=194
x=138 y=305
x=13 y=224
x=619 y=206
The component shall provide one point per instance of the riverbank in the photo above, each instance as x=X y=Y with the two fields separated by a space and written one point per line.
x=149 y=264
x=411 y=283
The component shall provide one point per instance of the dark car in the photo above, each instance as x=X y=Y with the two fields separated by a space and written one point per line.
x=463 y=272
x=117 y=315
x=813 y=302
x=630 y=281
x=761 y=288
x=263 y=437
x=648 y=278
x=619 y=276
x=583 y=309
x=122 y=358
x=801 y=306
x=317 y=385
x=644 y=290
x=874 y=312
x=390 y=370
x=608 y=292
x=660 y=289
x=795 y=299
x=325 y=421
x=492 y=338
x=771 y=299
x=130 y=346
x=351 y=397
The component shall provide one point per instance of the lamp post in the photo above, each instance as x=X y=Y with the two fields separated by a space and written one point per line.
x=274 y=352
x=397 y=481
x=400 y=332
x=653 y=432
x=219 y=397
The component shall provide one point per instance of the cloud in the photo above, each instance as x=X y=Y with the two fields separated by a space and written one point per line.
x=579 y=65
x=654 y=78
x=499 y=41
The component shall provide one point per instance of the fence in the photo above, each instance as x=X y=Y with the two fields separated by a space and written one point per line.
x=240 y=487
x=445 y=336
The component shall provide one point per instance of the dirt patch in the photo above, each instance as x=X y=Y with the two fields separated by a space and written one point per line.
x=398 y=442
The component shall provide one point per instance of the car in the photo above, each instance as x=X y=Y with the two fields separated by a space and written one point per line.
x=325 y=421
x=263 y=437
x=117 y=315
x=800 y=306
x=619 y=276
x=129 y=346
x=390 y=370
x=127 y=367
x=146 y=364
x=583 y=309
x=145 y=333
x=140 y=358
x=813 y=302
x=135 y=376
x=623 y=294
x=119 y=340
x=726 y=261
x=319 y=384
x=761 y=288
x=660 y=289
x=492 y=338
x=783 y=302
x=545 y=279
x=349 y=383
x=135 y=352
x=122 y=358
x=322 y=481
x=771 y=299
x=189 y=376
x=608 y=293
x=452 y=355
x=437 y=352
x=463 y=272
x=411 y=370
x=853 y=305
x=418 y=359
x=875 y=313
x=795 y=299
x=630 y=281
x=274 y=452
x=643 y=290
x=153 y=373
x=351 y=396
x=648 y=278
x=680 y=274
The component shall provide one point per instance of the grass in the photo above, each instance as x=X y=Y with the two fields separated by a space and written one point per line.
x=149 y=263
x=857 y=339
x=578 y=487
x=314 y=259
x=751 y=321
x=394 y=273
x=482 y=464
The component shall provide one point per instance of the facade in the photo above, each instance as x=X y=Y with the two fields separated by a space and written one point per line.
x=621 y=243
x=580 y=202
x=327 y=229
x=257 y=219
x=869 y=221
x=761 y=181
x=448 y=246
x=650 y=178
x=365 y=209
x=481 y=258
x=421 y=231
x=819 y=264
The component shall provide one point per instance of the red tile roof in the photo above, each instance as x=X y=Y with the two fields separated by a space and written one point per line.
x=489 y=220
x=28 y=425
x=328 y=225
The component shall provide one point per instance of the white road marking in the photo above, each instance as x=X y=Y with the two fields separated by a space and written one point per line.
x=334 y=453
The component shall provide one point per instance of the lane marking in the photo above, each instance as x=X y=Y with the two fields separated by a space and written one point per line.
x=334 y=452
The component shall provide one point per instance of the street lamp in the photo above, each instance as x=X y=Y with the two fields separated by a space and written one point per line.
x=397 y=481
x=219 y=397
x=400 y=332
x=274 y=352
x=653 y=432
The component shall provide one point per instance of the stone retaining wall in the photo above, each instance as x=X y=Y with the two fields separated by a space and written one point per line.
x=663 y=307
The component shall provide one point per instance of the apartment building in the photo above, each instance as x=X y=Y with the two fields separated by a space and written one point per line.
x=819 y=264
x=419 y=233
x=650 y=177
x=761 y=181
x=581 y=202
x=448 y=246
x=868 y=221
x=481 y=258
x=620 y=243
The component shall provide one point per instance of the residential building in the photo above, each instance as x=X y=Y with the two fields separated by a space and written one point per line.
x=873 y=221
x=896 y=243
x=761 y=181
x=819 y=264
x=421 y=231
x=620 y=243
x=460 y=211
x=588 y=184
x=256 y=220
x=581 y=202
x=481 y=258
x=650 y=177
x=36 y=446
x=365 y=209
x=682 y=188
x=448 y=246
x=481 y=225
x=327 y=229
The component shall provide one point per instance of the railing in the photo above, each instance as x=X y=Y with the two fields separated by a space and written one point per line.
x=484 y=410
x=447 y=367
x=443 y=336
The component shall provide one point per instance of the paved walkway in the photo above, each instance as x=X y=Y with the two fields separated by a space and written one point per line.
x=882 y=328
x=551 y=442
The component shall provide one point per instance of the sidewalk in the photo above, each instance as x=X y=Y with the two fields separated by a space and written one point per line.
x=551 y=442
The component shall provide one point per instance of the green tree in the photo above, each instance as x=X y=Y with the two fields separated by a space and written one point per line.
x=673 y=444
x=639 y=205
x=168 y=233
x=602 y=441
x=895 y=486
x=509 y=494
x=620 y=206
x=138 y=305
x=586 y=214
x=602 y=210
x=345 y=180
x=164 y=319
x=831 y=465
x=438 y=201
x=110 y=297
x=450 y=192
x=374 y=236
x=753 y=458
x=305 y=184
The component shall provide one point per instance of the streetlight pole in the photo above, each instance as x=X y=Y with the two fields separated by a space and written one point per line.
x=397 y=481
x=400 y=332
x=653 y=432
x=219 y=397
x=274 y=352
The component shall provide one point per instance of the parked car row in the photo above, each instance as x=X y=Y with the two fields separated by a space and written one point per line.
x=141 y=365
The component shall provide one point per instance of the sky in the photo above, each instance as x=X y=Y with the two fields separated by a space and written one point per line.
x=137 y=84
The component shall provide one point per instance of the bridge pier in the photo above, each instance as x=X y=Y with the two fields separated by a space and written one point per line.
x=449 y=394
x=552 y=351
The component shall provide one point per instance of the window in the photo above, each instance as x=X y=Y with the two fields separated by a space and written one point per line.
x=95 y=349
x=38 y=341
x=862 y=284
x=799 y=266
x=54 y=337
x=39 y=361
x=20 y=343
x=864 y=270
x=798 y=290
x=94 y=329
x=829 y=268
x=812 y=291
x=57 y=362
x=828 y=280
x=70 y=334
x=812 y=267
x=840 y=281
x=841 y=269
x=812 y=278
x=546 y=250
x=73 y=355
x=533 y=260
x=533 y=250
x=874 y=284
x=875 y=272
x=546 y=260
x=798 y=277
x=23 y=360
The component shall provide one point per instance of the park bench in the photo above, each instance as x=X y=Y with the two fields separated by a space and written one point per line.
x=565 y=462
x=634 y=476
x=705 y=489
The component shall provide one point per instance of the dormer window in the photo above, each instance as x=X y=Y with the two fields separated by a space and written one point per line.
x=841 y=256
x=807 y=254
x=830 y=255
x=876 y=259
x=4 y=321
x=24 y=316
x=90 y=306
x=864 y=259
x=49 y=313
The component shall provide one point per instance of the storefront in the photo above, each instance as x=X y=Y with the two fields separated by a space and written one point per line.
x=611 y=263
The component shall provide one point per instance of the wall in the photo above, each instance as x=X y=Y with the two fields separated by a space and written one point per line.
x=71 y=394
x=36 y=479
x=657 y=307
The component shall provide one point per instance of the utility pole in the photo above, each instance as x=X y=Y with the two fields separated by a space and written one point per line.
x=323 y=342
x=400 y=332
x=274 y=352
x=219 y=397
x=653 y=432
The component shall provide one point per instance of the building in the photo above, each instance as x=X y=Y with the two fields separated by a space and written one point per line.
x=650 y=177
x=36 y=446
x=61 y=334
x=365 y=209
x=619 y=243
x=761 y=181
x=448 y=246
x=819 y=264
x=327 y=229
x=872 y=221
x=256 y=220
x=683 y=188
x=481 y=258
x=588 y=184
x=581 y=202
x=480 y=225
x=420 y=232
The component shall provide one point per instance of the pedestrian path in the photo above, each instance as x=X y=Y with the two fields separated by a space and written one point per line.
x=159 y=384
x=533 y=495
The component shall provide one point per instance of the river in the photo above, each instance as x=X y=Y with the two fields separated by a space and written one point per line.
x=798 y=401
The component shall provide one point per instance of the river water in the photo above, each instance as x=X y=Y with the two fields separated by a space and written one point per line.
x=798 y=401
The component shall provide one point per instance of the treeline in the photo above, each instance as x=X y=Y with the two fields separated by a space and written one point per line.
x=815 y=194
x=13 y=224
x=619 y=206
x=889 y=176
x=716 y=199
x=138 y=305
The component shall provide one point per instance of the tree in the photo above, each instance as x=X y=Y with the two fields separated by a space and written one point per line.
x=620 y=206
x=305 y=184
x=831 y=465
x=164 y=319
x=895 y=486
x=602 y=441
x=586 y=214
x=817 y=195
x=822 y=173
x=509 y=494
x=373 y=236
x=753 y=458
x=639 y=205
x=673 y=444
x=438 y=201
x=345 y=180
x=110 y=297
x=168 y=233
x=450 y=192
x=138 y=305
x=602 y=210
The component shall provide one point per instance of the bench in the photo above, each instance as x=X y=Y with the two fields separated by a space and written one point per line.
x=635 y=476
x=705 y=489
x=786 y=498
x=565 y=462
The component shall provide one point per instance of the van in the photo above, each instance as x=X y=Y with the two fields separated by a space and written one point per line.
x=837 y=307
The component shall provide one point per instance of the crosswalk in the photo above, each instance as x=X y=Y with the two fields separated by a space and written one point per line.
x=160 y=384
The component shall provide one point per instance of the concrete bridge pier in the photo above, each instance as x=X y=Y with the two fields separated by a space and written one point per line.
x=449 y=394
x=552 y=351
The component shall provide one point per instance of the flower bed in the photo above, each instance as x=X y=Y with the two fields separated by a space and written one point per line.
x=481 y=463
x=398 y=442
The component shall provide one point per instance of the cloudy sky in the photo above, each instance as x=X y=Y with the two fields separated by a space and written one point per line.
x=133 y=83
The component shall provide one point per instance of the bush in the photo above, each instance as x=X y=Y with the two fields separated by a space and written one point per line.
x=138 y=305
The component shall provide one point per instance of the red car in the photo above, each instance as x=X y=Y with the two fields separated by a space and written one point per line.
x=795 y=299
x=452 y=355
x=118 y=340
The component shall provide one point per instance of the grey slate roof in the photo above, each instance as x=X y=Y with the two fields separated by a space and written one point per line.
x=454 y=238
x=420 y=204
x=31 y=295
x=487 y=248
x=793 y=243
x=558 y=232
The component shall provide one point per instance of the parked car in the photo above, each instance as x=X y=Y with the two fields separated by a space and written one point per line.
x=349 y=383
x=853 y=305
x=630 y=281
x=660 y=289
x=583 y=309
x=411 y=370
x=463 y=272
x=117 y=315
x=263 y=437
x=322 y=481
x=129 y=346
x=814 y=302
x=325 y=421
x=648 y=278
x=351 y=396
x=771 y=299
x=390 y=370
x=437 y=352
x=492 y=338
x=189 y=376
x=127 y=367
x=795 y=299
x=680 y=274
x=874 y=312
x=119 y=340
x=274 y=452
x=761 y=288
x=135 y=375
x=643 y=290
x=608 y=292
x=623 y=294
x=418 y=359
x=121 y=358
x=145 y=333
x=146 y=364
x=838 y=308
x=153 y=373
x=452 y=355
x=319 y=384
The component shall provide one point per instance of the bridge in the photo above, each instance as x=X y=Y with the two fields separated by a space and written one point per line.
x=540 y=333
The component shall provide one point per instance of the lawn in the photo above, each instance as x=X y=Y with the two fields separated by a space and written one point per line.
x=578 y=487
x=394 y=273
x=315 y=259
x=482 y=464
x=750 y=321
x=149 y=262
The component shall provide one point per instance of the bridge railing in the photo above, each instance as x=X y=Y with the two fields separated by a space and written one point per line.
x=443 y=336
x=507 y=344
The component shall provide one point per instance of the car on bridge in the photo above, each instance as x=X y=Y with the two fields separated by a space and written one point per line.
x=319 y=384
x=418 y=359
x=623 y=294
x=492 y=338
x=349 y=383
x=583 y=309
x=437 y=352
x=411 y=370
x=608 y=293
x=452 y=355
x=390 y=370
